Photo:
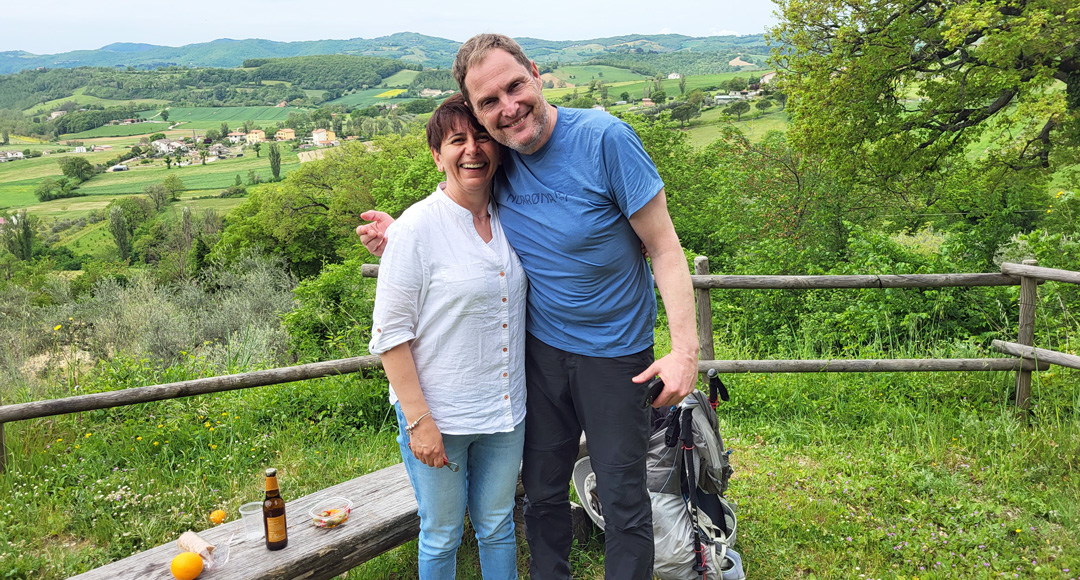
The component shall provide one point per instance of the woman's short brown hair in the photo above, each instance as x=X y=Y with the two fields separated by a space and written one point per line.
x=451 y=114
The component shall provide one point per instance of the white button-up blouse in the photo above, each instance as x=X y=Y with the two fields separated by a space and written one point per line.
x=461 y=301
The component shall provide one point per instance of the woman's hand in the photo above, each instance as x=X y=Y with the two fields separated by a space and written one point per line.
x=426 y=443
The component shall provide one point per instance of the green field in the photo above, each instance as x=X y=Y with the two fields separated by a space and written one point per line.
x=119 y=130
x=636 y=88
x=19 y=179
x=364 y=98
x=581 y=75
x=83 y=99
x=233 y=115
x=401 y=78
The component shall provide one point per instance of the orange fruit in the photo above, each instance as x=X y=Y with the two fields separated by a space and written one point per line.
x=186 y=566
x=217 y=516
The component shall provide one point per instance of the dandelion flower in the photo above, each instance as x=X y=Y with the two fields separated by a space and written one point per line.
x=206 y=424
x=139 y=438
x=211 y=428
x=59 y=440
x=155 y=442
x=88 y=435
x=58 y=327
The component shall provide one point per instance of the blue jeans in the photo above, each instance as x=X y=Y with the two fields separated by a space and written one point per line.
x=486 y=484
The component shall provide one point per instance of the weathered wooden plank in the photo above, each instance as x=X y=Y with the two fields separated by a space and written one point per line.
x=811 y=282
x=123 y=397
x=383 y=517
x=1040 y=354
x=854 y=281
x=704 y=312
x=862 y=365
x=1026 y=334
x=1033 y=271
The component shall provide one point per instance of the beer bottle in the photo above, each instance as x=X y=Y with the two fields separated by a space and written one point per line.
x=274 y=514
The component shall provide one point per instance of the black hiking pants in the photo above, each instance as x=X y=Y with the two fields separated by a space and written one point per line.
x=568 y=393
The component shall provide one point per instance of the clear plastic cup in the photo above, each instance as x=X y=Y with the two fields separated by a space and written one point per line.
x=251 y=515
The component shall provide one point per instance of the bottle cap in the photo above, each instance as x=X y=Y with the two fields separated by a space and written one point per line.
x=271 y=472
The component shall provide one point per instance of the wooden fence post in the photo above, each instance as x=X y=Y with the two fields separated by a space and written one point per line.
x=704 y=313
x=1026 y=335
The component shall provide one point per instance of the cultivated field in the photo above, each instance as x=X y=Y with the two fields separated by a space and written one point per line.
x=84 y=99
x=147 y=128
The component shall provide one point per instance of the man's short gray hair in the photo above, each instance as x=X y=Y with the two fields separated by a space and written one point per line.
x=476 y=48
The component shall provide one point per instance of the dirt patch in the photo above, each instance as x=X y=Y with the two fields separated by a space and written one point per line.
x=555 y=80
x=738 y=61
x=36 y=365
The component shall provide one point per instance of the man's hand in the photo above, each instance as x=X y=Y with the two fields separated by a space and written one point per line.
x=679 y=372
x=373 y=235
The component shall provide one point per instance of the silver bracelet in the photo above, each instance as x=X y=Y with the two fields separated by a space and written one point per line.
x=409 y=428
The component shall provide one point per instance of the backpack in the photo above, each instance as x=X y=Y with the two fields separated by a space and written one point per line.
x=687 y=474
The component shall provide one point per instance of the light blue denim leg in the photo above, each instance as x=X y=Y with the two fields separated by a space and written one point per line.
x=493 y=464
x=440 y=497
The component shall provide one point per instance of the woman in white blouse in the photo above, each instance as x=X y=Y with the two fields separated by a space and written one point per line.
x=449 y=325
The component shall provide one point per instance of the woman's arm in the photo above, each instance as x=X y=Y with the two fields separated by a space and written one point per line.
x=426 y=439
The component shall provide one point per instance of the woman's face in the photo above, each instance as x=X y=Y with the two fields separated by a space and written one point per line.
x=468 y=157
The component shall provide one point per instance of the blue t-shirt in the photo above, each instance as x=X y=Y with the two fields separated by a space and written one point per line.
x=565 y=210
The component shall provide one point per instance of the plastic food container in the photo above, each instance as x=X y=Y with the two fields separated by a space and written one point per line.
x=331 y=512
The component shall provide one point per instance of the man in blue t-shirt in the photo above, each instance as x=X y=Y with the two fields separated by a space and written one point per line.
x=577 y=198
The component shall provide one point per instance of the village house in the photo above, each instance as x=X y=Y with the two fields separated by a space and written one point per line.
x=324 y=138
x=56 y=114
x=285 y=135
x=646 y=102
x=79 y=149
x=674 y=76
x=11 y=155
x=256 y=136
x=102 y=148
x=219 y=150
x=236 y=137
x=167 y=146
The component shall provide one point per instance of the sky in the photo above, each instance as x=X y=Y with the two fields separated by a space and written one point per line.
x=53 y=26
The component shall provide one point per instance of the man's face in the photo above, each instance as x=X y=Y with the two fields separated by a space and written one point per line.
x=506 y=98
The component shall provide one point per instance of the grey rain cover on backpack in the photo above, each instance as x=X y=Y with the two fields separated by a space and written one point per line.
x=672 y=514
x=672 y=530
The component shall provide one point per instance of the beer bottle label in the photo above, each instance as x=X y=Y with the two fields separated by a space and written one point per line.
x=275 y=529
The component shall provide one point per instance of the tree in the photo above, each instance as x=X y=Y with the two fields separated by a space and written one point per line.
x=50 y=188
x=168 y=162
x=624 y=96
x=682 y=113
x=18 y=237
x=275 y=161
x=224 y=129
x=682 y=84
x=120 y=231
x=213 y=134
x=659 y=97
x=158 y=194
x=157 y=136
x=898 y=91
x=174 y=185
x=77 y=168
x=738 y=108
x=164 y=115
x=257 y=147
x=763 y=105
x=737 y=84
x=5 y=137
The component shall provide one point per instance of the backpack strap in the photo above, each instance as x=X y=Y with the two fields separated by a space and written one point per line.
x=687 y=451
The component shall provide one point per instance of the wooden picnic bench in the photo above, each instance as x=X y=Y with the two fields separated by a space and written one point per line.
x=383 y=517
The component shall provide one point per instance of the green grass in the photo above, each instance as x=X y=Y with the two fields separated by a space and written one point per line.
x=402 y=78
x=233 y=115
x=838 y=476
x=80 y=97
x=120 y=130
x=581 y=75
x=706 y=129
x=365 y=98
